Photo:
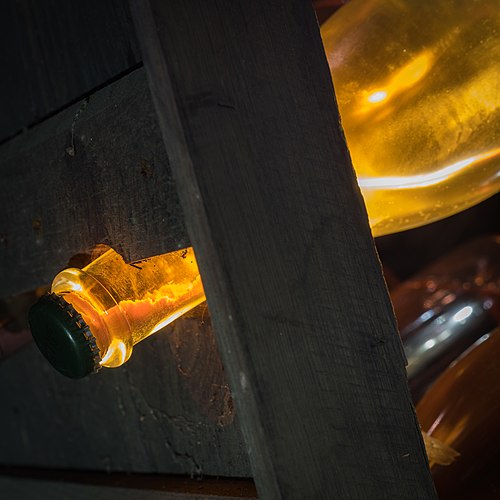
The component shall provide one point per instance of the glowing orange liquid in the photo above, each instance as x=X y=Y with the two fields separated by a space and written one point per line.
x=125 y=303
x=417 y=89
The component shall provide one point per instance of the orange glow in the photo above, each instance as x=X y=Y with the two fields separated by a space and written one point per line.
x=124 y=303
x=438 y=452
x=401 y=80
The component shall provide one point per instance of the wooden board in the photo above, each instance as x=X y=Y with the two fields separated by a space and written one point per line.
x=303 y=321
x=22 y=489
x=54 y=52
x=94 y=173
x=168 y=410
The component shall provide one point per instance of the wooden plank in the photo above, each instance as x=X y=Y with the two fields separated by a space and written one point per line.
x=303 y=319
x=94 y=173
x=168 y=410
x=171 y=486
x=54 y=52
x=22 y=489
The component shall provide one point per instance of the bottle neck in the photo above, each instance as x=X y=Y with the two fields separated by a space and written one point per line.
x=100 y=311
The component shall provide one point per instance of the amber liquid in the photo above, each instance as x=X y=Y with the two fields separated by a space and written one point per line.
x=462 y=409
x=417 y=89
x=125 y=303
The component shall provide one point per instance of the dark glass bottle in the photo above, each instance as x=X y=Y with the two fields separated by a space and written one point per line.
x=445 y=308
x=462 y=409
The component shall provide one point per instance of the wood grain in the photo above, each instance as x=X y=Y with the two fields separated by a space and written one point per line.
x=206 y=487
x=54 y=52
x=168 y=410
x=302 y=316
x=22 y=489
x=94 y=173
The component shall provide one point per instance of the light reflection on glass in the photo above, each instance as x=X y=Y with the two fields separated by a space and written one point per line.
x=463 y=314
x=377 y=96
x=424 y=180
x=402 y=79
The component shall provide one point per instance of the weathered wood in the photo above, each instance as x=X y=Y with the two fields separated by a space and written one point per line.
x=23 y=489
x=54 y=52
x=167 y=410
x=303 y=320
x=94 y=173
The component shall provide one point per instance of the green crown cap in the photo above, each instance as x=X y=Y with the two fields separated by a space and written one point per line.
x=63 y=337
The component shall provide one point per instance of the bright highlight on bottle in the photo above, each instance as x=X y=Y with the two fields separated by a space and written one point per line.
x=424 y=180
x=463 y=314
x=402 y=79
x=377 y=96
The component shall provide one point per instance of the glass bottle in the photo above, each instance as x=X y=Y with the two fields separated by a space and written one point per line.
x=417 y=89
x=95 y=315
x=446 y=307
x=462 y=409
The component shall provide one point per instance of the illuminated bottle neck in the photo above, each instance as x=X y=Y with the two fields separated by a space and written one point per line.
x=100 y=311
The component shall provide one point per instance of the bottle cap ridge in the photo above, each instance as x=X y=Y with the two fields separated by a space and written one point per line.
x=63 y=337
